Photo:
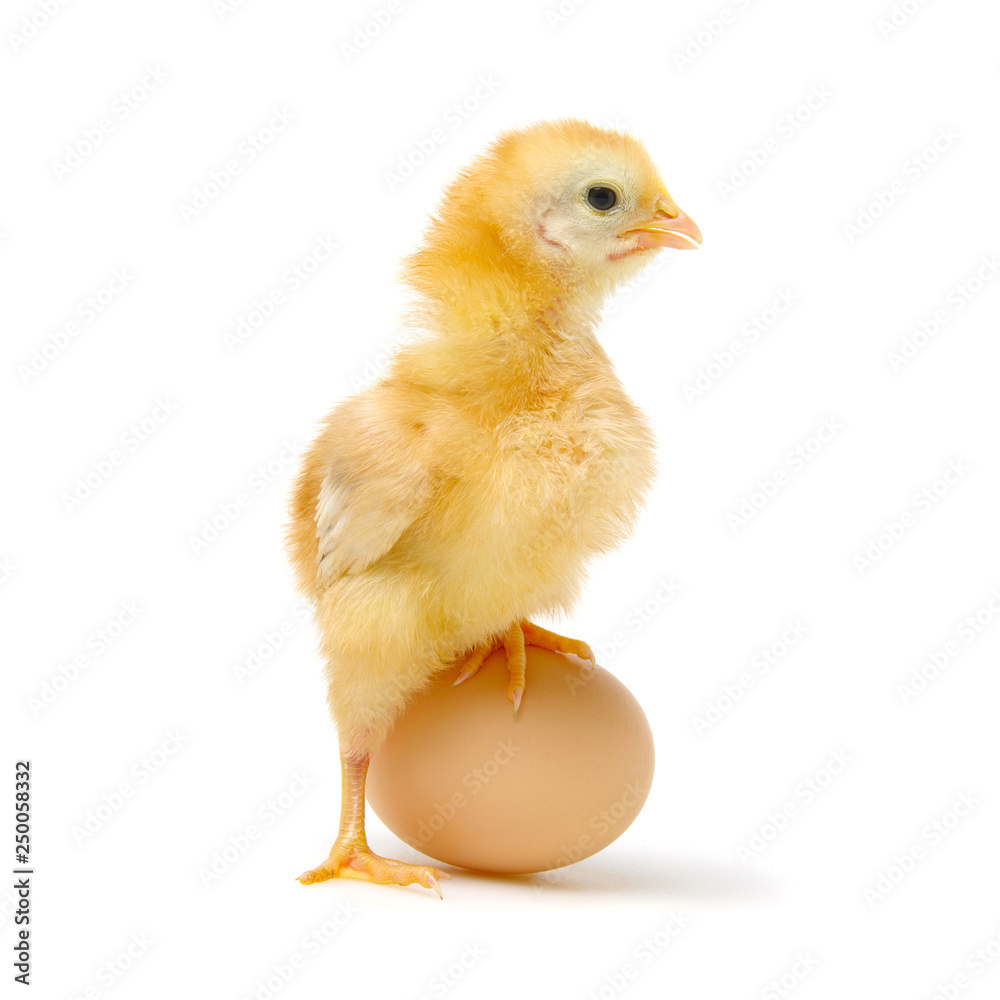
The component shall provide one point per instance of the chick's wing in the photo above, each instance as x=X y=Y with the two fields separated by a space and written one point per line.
x=374 y=486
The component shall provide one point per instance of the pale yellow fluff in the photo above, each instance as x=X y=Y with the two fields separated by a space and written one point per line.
x=469 y=486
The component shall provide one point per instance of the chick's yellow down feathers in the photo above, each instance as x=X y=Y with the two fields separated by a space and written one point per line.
x=465 y=491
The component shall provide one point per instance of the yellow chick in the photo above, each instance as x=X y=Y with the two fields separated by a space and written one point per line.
x=465 y=491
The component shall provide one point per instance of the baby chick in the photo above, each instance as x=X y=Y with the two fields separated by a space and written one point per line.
x=465 y=491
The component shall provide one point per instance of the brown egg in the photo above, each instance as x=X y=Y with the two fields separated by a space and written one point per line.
x=465 y=782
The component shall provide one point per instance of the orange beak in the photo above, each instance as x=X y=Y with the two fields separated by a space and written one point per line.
x=669 y=227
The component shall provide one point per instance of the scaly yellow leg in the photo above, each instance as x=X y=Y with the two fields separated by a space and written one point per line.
x=350 y=856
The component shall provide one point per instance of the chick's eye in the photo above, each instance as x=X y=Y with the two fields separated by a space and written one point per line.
x=602 y=198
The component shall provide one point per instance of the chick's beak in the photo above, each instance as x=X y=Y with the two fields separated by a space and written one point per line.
x=669 y=227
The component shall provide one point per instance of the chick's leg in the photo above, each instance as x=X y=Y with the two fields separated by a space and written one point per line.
x=350 y=856
x=513 y=642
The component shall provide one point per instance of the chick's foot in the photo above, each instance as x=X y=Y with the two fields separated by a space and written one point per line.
x=513 y=642
x=352 y=858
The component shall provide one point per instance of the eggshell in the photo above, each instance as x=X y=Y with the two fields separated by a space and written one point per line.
x=462 y=780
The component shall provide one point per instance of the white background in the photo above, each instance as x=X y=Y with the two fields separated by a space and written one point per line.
x=122 y=908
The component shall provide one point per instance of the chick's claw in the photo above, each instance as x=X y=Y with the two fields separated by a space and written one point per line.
x=535 y=635
x=475 y=661
x=513 y=642
x=356 y=860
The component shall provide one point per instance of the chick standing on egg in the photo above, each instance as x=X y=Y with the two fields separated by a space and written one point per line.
x=465 y=491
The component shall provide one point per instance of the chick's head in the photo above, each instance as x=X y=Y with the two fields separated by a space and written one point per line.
x=581 y=200
x=559 y=212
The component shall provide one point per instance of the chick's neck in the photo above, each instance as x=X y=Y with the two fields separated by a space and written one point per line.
x=505 y=324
